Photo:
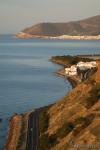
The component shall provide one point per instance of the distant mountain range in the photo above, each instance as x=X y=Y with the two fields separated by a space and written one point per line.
x=89 y=26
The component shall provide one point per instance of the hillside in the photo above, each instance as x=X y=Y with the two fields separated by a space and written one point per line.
x=98 y=72
x=74 y=121
x=90 y=26
x=71 y=123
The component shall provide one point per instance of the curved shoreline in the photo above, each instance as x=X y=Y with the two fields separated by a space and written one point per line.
x=18 y=125
x=73 y=80
x=24 y=35
x=15 y=124
x=18 y=131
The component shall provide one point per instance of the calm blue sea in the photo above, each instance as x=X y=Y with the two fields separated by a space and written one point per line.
x=27 y=78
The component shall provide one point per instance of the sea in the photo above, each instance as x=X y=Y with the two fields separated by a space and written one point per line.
x=27 y=76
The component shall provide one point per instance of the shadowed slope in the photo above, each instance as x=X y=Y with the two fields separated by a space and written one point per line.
x=90 y=26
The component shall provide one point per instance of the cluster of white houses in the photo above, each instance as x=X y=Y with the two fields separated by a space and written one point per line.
x=71 y=71
x=80 y=37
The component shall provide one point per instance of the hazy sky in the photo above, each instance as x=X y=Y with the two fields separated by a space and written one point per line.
x=18 y=14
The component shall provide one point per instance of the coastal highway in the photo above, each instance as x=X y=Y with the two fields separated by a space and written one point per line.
x=33 y=131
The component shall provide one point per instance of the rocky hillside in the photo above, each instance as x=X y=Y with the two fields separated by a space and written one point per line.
x=71 y=123
x=98 y=72
x=90 y=26
x=74 y=121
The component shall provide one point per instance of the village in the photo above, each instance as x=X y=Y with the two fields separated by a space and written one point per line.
x=82 y=66
x=77 y=37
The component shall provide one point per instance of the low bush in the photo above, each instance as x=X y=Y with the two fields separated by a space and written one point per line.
x=94 y=96
x=79 y=120
x=22 y=137
x=46 y=141
x=53 y=140
x=70 y=60
x=96 y=131
x=65 y=129
x=43 y=120
x=83 y=122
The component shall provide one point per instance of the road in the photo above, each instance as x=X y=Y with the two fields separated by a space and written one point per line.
x=33 y=131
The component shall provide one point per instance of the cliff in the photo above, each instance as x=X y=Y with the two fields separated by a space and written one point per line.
x=90 y=27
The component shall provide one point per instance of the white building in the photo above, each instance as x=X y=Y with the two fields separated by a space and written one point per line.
x=82 y=66
x=86 y=65
x=71 y=71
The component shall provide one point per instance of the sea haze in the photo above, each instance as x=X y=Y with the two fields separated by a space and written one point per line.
x=27 y=77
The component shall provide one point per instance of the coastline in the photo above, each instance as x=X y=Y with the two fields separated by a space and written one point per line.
x=16 y=130
x=94 y=56
x=18 y=125
x=24 y=35
x=74 y=81
x=13 y=132
x=16 y=121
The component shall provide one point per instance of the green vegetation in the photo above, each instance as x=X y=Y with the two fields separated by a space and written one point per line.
x=72 y=126
x=65 y=129
x=43 y=126
x=96 y=131
x=83 y=122
x=80 y=120
x=22 y=137
x=94 y=95
x=53 y=140
x=46 y=141
x=79 y=124
x=69 y=60
x=43 y=120
x=21 y=140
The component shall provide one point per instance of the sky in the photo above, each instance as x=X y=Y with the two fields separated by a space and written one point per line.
x=15 y=15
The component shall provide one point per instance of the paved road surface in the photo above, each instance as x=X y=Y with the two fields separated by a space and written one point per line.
x=33 y=131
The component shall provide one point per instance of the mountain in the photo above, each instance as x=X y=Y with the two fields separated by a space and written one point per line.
x=90 y=26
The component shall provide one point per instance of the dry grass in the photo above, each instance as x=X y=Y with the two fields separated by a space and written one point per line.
x=97 y=78
x=17 y=132
x=14 y=132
